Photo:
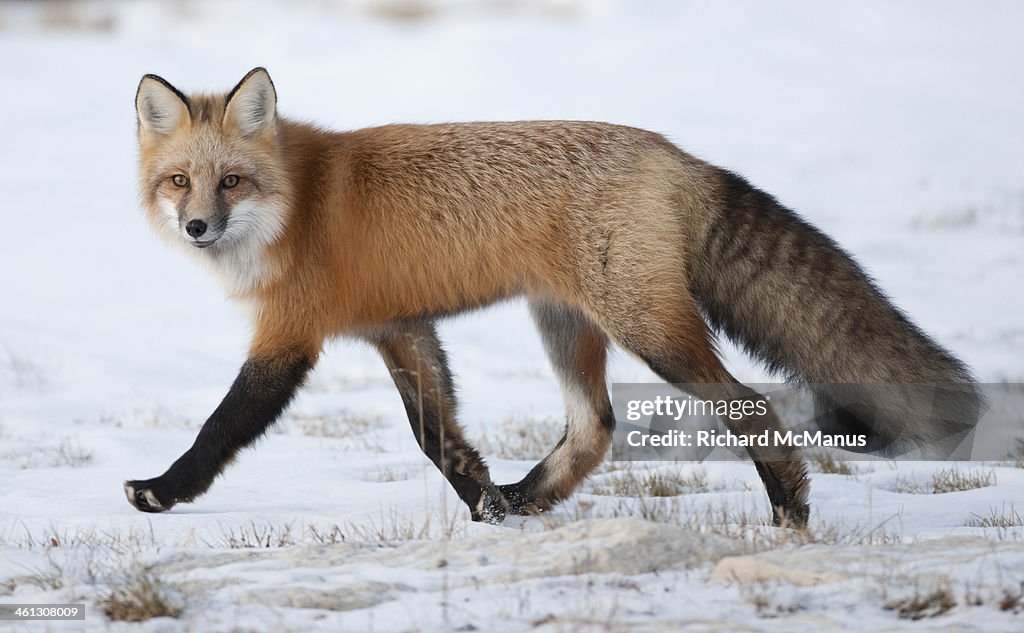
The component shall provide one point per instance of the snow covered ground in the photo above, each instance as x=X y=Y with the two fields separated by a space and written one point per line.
x=894 y=125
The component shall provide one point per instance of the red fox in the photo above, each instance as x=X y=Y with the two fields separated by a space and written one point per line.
x=613 y=234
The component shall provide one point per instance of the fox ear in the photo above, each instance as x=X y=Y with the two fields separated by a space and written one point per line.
x=161 y=107
x=252 y=104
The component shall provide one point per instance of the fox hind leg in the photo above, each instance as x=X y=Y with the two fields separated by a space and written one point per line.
x=419 y=368
x=679 y=349
x=577 y=349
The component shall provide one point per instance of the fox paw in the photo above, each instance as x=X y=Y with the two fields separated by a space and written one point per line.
x=795 y=516
x=521 y=503
x=492 y=507
x=144 y=497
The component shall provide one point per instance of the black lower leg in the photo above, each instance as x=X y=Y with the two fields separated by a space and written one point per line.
x=460 y=463
x=262 y=390
x=786 y=485
x=419 y=369
x=782 y=470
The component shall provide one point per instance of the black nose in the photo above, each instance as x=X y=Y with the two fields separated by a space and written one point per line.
x=195 y=228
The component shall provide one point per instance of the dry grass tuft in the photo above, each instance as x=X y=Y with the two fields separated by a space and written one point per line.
x=389 y=474
x=140 y=597
x=924 y=603
x=771 y=599
x=824 y=463
x=22 y=372
x=523 y=438
x=402 y=10
x=50 y=578
x=258 y=537
x=997 y=518
x=945 y=480
x=655 y=483
x=359 y=432
x=69 y=453
x=1012 y=600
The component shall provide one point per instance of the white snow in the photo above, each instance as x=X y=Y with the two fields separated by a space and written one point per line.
x=895 y=126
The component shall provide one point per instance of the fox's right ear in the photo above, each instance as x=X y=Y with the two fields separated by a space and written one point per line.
x=161 y=107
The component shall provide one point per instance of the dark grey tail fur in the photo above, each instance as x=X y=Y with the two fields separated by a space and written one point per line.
x=796 y=300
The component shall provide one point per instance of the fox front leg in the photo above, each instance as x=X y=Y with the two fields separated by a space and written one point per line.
x=262 y=390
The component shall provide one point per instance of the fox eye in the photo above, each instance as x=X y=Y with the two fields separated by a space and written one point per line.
x=179 y=180
x=229 y=181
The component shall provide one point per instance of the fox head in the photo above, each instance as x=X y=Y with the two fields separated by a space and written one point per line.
x=211 y=175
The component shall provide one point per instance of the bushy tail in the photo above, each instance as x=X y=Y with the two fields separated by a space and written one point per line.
x=796 y=300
